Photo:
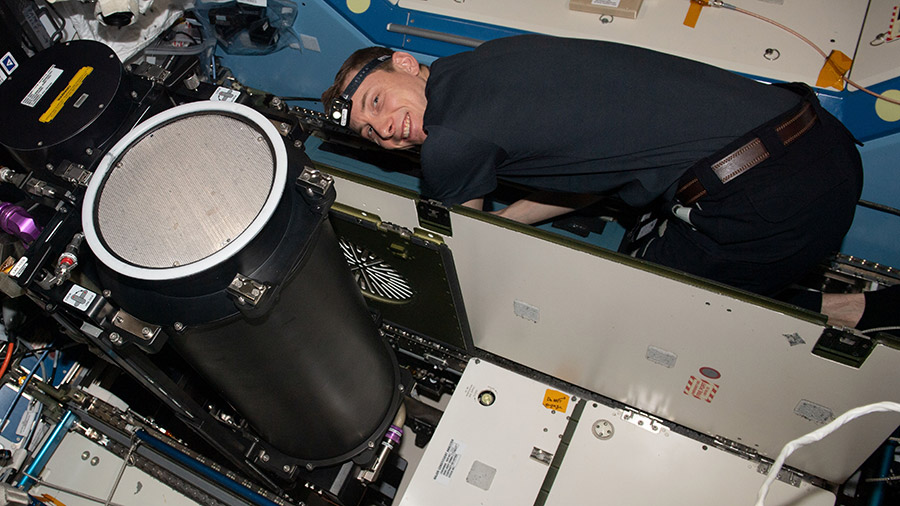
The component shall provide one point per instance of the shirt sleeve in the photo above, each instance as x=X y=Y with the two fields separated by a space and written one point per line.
x=457 y=167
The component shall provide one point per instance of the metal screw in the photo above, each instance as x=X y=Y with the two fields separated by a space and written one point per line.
x=86 y=455
x=371 y=444
x=264 y=457
x=178 y=326
x=286 y=468
x=107 y=293
x=115 y=338
x=95 y=461
x=298 y=144
x=309 y=467
x=89 y=151
x=146 y=332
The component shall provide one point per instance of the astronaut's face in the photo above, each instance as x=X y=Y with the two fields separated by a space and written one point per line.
x=389 y=105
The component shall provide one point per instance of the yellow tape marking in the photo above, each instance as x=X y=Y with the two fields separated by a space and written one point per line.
x=832 y=72
x=65 y=95
x=693 y=14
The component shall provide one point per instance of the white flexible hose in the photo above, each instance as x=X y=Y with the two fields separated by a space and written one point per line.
x=817 y=435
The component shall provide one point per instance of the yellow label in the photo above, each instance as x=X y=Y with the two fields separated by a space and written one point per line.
x=556 y=400
x=65 y=95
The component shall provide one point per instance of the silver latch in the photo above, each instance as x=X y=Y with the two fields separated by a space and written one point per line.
x=643 y=421
x=247 y=291
x=152 y=72
x=315 y=181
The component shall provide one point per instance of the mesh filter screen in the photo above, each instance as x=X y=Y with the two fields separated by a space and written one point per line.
x=185 y=190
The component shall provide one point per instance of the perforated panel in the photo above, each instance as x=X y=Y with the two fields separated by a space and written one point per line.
x=185 y=190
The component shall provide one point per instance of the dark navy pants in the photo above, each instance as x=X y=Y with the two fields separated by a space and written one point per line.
x=774 y=223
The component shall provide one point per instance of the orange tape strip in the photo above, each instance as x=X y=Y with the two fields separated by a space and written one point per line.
x=832 y=72
x=693 y=14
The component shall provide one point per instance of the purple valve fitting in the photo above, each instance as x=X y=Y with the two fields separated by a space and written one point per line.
x=16 y=221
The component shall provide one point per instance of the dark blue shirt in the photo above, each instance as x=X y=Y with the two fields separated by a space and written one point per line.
x=580 y=116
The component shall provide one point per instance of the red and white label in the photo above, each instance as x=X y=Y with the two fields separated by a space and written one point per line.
x=701 y=389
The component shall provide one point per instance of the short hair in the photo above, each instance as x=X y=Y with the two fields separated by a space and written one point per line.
x=351 y=66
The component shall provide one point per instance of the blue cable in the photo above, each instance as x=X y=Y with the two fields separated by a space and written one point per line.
x=887 y=459
x=40 y=460
x=202 y=469
x=22 y=389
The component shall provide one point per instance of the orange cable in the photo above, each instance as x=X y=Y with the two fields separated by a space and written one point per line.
x=9 y=350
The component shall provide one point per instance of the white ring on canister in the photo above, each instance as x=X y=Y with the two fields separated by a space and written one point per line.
x=279 y=181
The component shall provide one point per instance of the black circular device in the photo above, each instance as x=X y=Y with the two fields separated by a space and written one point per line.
x=199 y=199
x=65 y=102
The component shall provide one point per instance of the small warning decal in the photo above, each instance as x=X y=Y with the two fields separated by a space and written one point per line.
x=9 y=64
x=556 y=401
x=701 y=389
x=79 y=297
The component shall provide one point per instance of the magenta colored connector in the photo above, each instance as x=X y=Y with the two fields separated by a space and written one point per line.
x=16 y=221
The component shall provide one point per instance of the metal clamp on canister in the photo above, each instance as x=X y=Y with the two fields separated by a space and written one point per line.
x=146 y=336
x=251 y=297
x=316 y=188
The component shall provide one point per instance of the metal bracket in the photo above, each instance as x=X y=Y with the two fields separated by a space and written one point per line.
x=784 y=475
x=73 y=173
x=844 y=346
x=735 y=448
x=314 y=181
x=643 y=421
x=434 y=216
x=248 y=292
x=152 y=72
x=143 y=334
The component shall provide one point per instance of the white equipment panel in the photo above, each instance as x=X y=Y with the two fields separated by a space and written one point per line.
x=721 y=37
x=482 y=454
x=82 y=465
x=879 y=44
x=716 y=360
x=642 y=462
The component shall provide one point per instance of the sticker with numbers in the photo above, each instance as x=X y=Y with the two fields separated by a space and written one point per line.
x=42 y=86
x=19 y=267
x=449 y=462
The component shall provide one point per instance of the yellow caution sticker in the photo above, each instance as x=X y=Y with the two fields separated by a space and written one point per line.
x=557 y=401
x=65 y=94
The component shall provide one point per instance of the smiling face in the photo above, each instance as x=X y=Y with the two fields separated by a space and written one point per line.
x=389 y=106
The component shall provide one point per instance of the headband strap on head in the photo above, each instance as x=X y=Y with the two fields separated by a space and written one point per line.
x=339 y=109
